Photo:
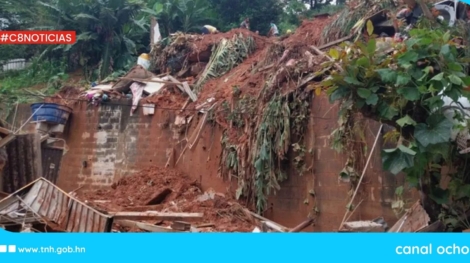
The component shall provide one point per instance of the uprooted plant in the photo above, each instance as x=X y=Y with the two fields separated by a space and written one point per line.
x=420 y=89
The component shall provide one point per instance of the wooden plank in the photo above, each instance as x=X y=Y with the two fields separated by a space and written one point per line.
x=10 y=137
x=188 y=90
x=144 y=226
x=37 y=150
x=157 y=215
x=181 y=226
x=144 y=208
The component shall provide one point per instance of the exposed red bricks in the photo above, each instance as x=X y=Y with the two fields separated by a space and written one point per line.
x=138 y=142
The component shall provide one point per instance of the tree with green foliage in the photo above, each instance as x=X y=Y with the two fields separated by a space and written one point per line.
x=406 y=90
x=182 y=15
x=261 y=13
x=105 y=31
x=108 y=34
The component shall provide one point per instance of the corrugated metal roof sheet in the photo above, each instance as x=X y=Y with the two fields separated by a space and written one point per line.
x=19 y=169
x=41 y=200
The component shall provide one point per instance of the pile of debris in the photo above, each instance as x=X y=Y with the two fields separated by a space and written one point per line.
x=256 y=88
x=153 y=200
x=180 y=53
x=166 y=191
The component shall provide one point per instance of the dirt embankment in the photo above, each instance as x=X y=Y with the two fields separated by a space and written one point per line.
x=180 y=194
x=309 y=32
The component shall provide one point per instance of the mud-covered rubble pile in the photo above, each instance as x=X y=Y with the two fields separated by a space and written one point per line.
x=277 y=67
x=166 y=191
x=185 y=54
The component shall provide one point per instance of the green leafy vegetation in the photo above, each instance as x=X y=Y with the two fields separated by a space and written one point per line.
x=111 y=34
x=405 y=88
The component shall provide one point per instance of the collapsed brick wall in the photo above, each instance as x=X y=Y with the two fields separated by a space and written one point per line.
x=105 y=144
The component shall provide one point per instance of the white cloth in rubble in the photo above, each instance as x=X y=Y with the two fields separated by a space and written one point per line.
x=137 y=90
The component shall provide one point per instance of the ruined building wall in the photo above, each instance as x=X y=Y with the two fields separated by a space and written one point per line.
x=105 y=144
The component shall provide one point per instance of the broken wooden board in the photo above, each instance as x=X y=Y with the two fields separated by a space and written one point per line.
x=362 y=226
x=156 y=215
x=159 y=197
x=145 y=226
x=413 y=220
x=181 y=226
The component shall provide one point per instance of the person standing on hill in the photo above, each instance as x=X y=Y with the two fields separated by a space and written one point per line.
x=207 y=29
x=273 y=31
x=245 y=24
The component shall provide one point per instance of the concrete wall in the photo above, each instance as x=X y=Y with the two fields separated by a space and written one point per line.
x=105 y=144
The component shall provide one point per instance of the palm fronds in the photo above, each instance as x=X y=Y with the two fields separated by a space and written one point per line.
x=350 y=16
x=226 y=55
